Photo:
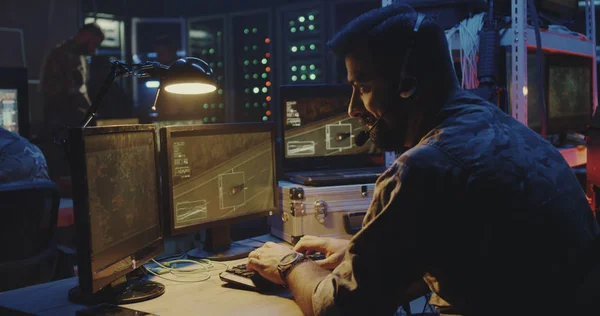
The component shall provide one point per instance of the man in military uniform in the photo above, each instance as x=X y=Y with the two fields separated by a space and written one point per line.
x=63 y=83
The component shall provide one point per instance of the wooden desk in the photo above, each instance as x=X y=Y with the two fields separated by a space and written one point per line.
x=209 y=297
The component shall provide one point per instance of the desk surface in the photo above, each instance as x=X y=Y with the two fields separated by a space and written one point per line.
x=209 y=297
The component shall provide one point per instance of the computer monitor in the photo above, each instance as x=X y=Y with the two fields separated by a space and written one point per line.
x=534 y=116
x=570 y=93
x=14 y=106
x=117 y=207
x=215 y=175
x=318 y=132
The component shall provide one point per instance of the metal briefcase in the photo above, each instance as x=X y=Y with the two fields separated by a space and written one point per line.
x=332 y=211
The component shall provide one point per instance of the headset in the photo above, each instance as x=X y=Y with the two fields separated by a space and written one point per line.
x=407 y=86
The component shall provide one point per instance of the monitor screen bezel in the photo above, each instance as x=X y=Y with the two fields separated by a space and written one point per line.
x=166 y=136
x=287 y=92
x=16 y=78
x=573 y=123
x=77 y=150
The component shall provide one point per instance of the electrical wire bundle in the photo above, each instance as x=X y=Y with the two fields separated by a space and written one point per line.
x=467 y=34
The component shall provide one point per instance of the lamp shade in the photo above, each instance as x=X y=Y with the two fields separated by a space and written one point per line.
x=189 y=75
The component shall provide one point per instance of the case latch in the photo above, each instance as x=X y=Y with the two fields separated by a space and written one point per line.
x=297 y=209
x=296 y=194
x=320 y=211
x=364 y=191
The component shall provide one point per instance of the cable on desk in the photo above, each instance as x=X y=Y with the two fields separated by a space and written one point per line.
x=170 y=267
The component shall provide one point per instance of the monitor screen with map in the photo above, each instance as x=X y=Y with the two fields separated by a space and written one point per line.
x=215 y=175
x=116 y=201
x=570 y=93
x=318 y=132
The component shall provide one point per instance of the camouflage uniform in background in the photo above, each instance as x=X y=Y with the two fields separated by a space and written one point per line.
x=63 y=83
x=20 y=159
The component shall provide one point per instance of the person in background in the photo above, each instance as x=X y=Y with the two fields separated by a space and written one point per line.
x=480 y=208
x=19 y=159
x=64 y=88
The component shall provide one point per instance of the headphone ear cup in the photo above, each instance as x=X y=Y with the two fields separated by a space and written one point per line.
x=408 y=87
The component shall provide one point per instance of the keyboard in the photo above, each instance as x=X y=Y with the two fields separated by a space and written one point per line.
x=239 y=277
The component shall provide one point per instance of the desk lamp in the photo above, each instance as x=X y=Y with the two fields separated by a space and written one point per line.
x=187 y=75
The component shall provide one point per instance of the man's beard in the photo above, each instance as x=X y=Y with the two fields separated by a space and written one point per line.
x=388 y=138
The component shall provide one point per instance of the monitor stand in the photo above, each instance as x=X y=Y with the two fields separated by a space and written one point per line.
x=121 y=291
x=218 y=246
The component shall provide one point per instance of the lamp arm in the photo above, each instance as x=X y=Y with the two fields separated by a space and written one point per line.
x=117 y=69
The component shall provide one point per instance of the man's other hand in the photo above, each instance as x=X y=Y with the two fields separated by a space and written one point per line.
x=265 y=260
x=333 y=248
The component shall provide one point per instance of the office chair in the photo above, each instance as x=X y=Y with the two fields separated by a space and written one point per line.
x=28 y=216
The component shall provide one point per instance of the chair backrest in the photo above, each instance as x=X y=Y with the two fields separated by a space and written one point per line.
x=28 y=216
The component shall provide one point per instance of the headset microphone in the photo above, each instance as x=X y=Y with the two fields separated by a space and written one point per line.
x=362 y=137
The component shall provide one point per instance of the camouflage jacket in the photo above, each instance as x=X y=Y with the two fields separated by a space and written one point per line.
x=20 y=159
x=483 y=209
x=63 y=84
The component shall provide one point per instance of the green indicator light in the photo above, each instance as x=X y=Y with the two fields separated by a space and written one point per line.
x=255 y=76
x=256 y=90
x=294 y=49
x=303 y=77
x=265 y=89
x=214 y=119
x=205 y=119
x=204 y=51
x=220 y=91
x=265 y=104
x=255 y=62
x=312 y=67
x=294 y=78
x=212 y=106
x=246 y=31
x=313 y=46
x=256 y=104
x=221 y=105
x=294 y=68
x=264 y=75
x=211 y=51
x=303 y=67
x=313 y=76
x=247 y=105
x=247 y=76
x=302 y=48
x=292 y=22
x=301 y=19
x=311 y=17
x=246 y=62
x=293 y=30
x=205 y=105
x=254 y=30
x=219 y=33
x=311 y=27
x=246 y=90
x=264 y=61
x=301 y=28
x=265 y=118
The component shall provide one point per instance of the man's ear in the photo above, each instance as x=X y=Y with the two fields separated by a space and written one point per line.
x=408 y=87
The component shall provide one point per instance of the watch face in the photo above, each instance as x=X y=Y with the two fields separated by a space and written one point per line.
x=288 y=259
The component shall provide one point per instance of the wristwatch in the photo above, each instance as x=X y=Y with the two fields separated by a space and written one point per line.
x=288 y=262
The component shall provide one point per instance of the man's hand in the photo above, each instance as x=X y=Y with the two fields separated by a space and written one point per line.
x=333 y=248
x=265 y=260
